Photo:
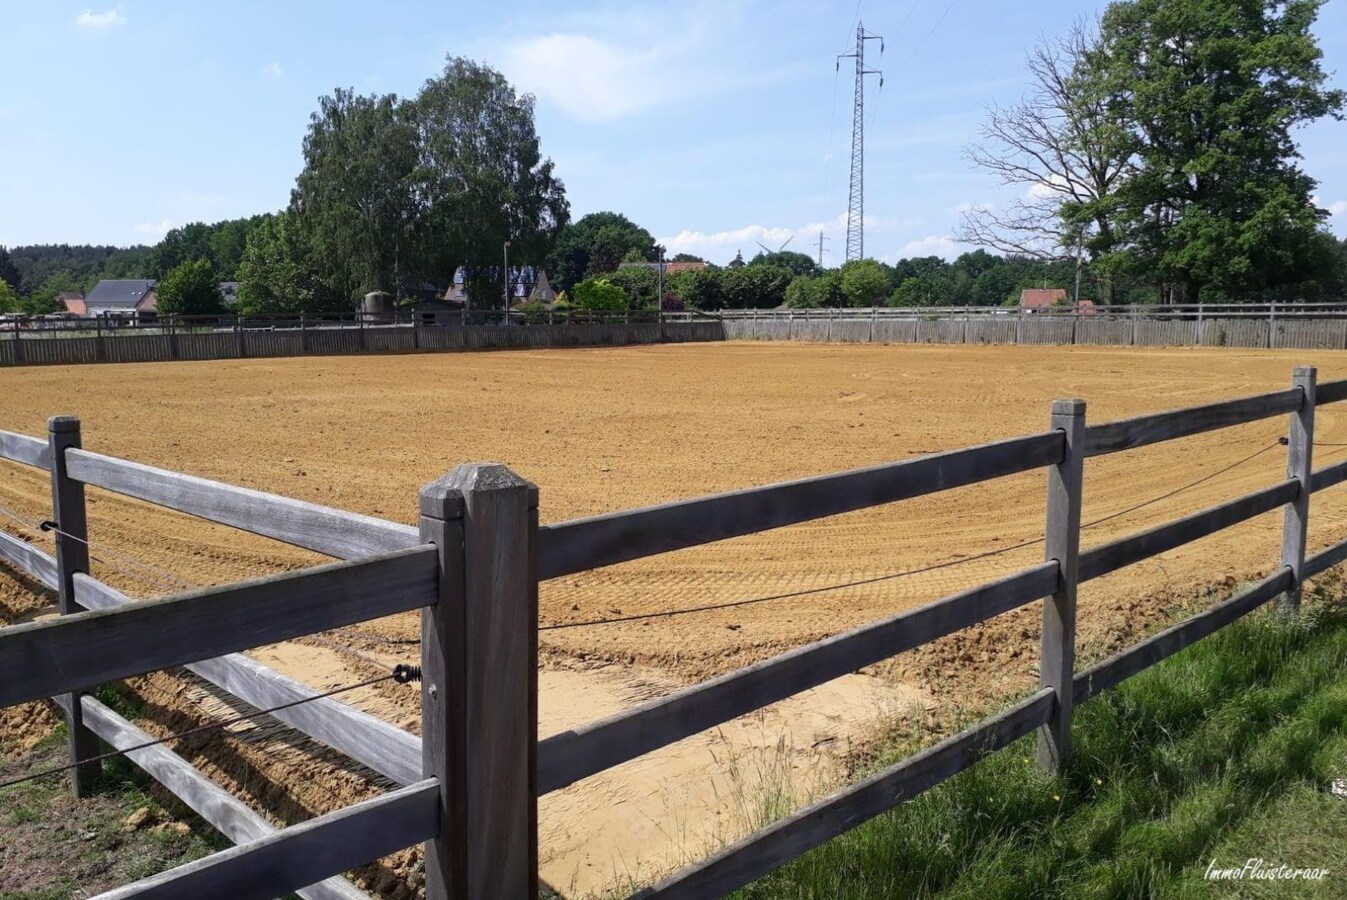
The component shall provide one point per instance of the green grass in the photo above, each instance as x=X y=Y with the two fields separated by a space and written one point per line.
x=1223 y=752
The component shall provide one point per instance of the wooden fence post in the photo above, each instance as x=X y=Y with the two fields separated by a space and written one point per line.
x=1299 y=465
x=479 y=695
x=303 y=334
x=1058 y=656
x=72 y=555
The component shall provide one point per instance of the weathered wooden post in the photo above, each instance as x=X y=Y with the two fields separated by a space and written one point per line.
x=479 y=695
x=1058 y=656
x=1299 y=465
x=72 y=555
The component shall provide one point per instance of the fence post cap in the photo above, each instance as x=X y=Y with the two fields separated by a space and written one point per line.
x=63 y=424
x=1074 y=407
x=1304 y=371
x=444 y=496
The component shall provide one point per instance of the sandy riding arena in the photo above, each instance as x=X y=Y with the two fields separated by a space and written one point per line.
x=608 y=429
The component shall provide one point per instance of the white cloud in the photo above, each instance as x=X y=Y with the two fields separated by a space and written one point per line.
x=273 y=70
x=155 y=229
x=1337 y=207
x=720 y=246
x=931 y=245
x=100 y=20
x=616 y=66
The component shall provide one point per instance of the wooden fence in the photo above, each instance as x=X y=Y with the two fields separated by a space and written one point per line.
x=472 y=566
x=66 y=341
x=1277 y=326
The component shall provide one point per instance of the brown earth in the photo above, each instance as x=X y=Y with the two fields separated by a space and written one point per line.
x=609 y=429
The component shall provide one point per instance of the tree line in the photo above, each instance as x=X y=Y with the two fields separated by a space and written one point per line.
x=1154 y=160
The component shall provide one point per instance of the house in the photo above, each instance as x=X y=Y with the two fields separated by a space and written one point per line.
x=542 y=291
x=522 y=281
x=670 y=268
x=127 y=298
x=73 y=301
x=1033 y=299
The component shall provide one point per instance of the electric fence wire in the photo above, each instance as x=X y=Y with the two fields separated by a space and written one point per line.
x=963 y=560
x=401 y=673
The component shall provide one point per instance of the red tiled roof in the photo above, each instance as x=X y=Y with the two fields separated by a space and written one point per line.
x=1035 y=298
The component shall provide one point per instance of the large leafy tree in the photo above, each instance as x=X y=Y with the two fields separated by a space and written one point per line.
x=356 y=200
x=190 y=289
x=596 y=245
x=798 y=263
x=481 y=178
x=600 y=294
x=1213 y=91
x=278 y=273
x=865 y=282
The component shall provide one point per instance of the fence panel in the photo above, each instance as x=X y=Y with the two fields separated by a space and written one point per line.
x=1103 y=331
x=1047 y=330
x=940 y=331
x=334 y=341
x=1251 y=333
x=1166 y=333
x=811 y=329
x=208 y=345
x=1323 y=334
x=852 y=330
x=58 y=351
x=272 y=343
x=992 y=330
x=896 y=331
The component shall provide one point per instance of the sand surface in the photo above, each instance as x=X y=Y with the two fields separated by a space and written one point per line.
x=613 y=428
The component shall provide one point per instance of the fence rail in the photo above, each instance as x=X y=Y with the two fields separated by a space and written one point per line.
x=468 y=787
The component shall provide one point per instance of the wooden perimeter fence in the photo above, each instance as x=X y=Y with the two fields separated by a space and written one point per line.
x=68 y=341
x=472 y=566
x=1277 y=326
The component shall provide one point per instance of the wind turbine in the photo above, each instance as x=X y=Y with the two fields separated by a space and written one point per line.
x=766 y=249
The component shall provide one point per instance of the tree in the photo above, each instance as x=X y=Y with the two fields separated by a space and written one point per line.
x=599 y=294
x=9 y=298
x=1212 y=92
x=482 y=178
x=865 y=282
x=755 y=287
x=8 y=271
x=1065 y=148
x=596 y=245
x=797 y=263
x=278 y=275
x=638 y=283
x=686 y=257
x=355 y=199
x=700 y=288
x=190 y=289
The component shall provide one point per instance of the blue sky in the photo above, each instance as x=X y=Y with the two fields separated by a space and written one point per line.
x=713 y=124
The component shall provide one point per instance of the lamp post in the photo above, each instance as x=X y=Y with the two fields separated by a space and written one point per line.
x=507 y=282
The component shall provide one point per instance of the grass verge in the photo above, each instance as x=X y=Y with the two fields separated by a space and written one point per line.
x=53 y=846
x=1222 y=753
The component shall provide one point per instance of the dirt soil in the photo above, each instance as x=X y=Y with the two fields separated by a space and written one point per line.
x=613 y=428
